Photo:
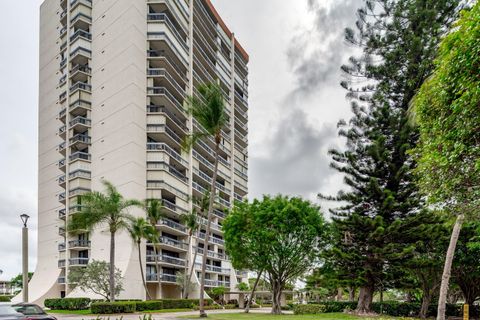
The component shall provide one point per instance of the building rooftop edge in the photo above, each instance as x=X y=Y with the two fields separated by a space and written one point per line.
x=226 y=29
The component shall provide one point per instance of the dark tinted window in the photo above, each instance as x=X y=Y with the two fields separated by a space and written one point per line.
x=29 y=309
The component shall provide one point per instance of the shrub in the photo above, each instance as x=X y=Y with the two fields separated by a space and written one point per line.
x=148 y=305
x=5 y=298
x=183 y=303
x=67 y=303
x=309 y=308
x=113 y=307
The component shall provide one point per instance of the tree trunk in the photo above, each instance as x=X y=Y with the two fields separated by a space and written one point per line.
x=185 y=277
x=141 y=270
x=426 y=299
x=351 y=293
x=112 y=267
x=207 y=231
x=157 y=265
x=339 y=294
x=191 y=271
x=365 y=298
x=249 y=300
x=276 y=299
x=447 y=269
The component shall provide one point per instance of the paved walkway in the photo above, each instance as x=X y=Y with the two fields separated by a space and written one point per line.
x=155 y=316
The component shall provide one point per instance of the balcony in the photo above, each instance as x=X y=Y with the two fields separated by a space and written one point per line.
x=62 y=148
x=79 y=244
x=173 y=225
x=166 y=259
x=61 y=164
x=163 y=92
x=61 y=181
x=80 y=55
x=73 y=3
x=173 y=207
x=62 y=131
x=176 y=244
x=61 y=231
x=63 y=63
x=211 y=268
x=61 y=247
x=78 y=262
x=62 y=213
x=163 y=18
x=170 y=278
x=80 y=107
x=61 y=280
x=80 y=141
x=242 y=274
x=213 y=254
x=208 y=179
x=84 y=174
x=157 y=129
x=62 y=115
x=80 y=156
x=62 y=263
x=61 y=198
x=163 y=147
x=162 y=166
x=78 y=192
x=75 y=209
x=152 y=109
x=80 y=124
x=80 y=34
x=80 y=86
x=62 y=97
x=80 y=73
x=215 y=240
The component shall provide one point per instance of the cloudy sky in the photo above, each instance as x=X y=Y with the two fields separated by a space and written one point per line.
x=296 y=49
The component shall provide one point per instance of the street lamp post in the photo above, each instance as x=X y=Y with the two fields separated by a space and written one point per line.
x=24 y=218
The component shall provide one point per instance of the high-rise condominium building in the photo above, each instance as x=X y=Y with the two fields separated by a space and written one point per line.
x=113 y=78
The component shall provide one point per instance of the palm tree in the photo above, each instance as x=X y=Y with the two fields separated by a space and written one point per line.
x=191 y=222
x=209 y=110
x=100 y=209
x=154 y=209
x=140 y=229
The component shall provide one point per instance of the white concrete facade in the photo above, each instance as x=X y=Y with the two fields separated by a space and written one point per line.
x=113 y=78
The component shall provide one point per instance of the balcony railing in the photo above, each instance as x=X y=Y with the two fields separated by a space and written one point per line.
x=163 y=277
x=78 y=261
x=213 y=268
x=80 y=156
x=211 y=239
x=165 y=129
x=80 y=138
x=62 y=213
x=81 y=50
x=86 y=2
x=173 y=207
x=173 y=243
x=166 y=259
x=61 y=247
x=75 y=209
x=213 y=254
x=173 y=117
x=81 y=68
x=80 y=33
x=161 y=72
x=79 y=244
x=62 y=263
x=164 y=92
x=174 y=225
x=61 y=231
x=154 y=146
x=81 y=86
x=61 y=280
x=81 y=120
x=162 y=17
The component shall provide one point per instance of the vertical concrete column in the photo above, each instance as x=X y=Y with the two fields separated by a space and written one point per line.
x=25 y=263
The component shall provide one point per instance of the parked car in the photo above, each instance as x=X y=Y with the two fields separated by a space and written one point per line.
x=8 y=312
x=32 y=311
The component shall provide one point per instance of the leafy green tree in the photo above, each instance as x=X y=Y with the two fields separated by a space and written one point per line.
x=466 y=268
x=208 y=108
x=243 y=286
x=398 y=40
x=154 y=210
x=140 y=229
x=217 y=294
x=446 y=111
x=17 y=282
x=104 y=209
x=184 y=282
x=282 y=236
x=96 y=278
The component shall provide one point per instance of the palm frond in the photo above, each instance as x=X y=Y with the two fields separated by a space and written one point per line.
x=191 y=139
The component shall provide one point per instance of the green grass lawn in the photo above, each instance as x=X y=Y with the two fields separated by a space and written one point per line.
x=324 y=316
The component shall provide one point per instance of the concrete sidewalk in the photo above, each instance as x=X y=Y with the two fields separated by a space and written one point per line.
x=155 y=316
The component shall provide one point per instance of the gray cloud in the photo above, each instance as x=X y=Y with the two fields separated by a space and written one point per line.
x=296 y=161
x=296 y=158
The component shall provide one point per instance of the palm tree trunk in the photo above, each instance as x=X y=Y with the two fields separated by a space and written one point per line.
x=249 y=301
x=141 y=270
x=191 y=270
x=447 y=269
x=185 y=278
x=157 y=267
x=112 y=266
x=207 y=231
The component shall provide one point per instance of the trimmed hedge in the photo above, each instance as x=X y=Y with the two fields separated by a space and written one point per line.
x=113 y=307
x=183 y=303
x=5 y=298
x=68 y=303
x=308 y=309
x=148 y=305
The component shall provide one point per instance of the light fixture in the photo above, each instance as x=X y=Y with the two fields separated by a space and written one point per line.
x=24 y=218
